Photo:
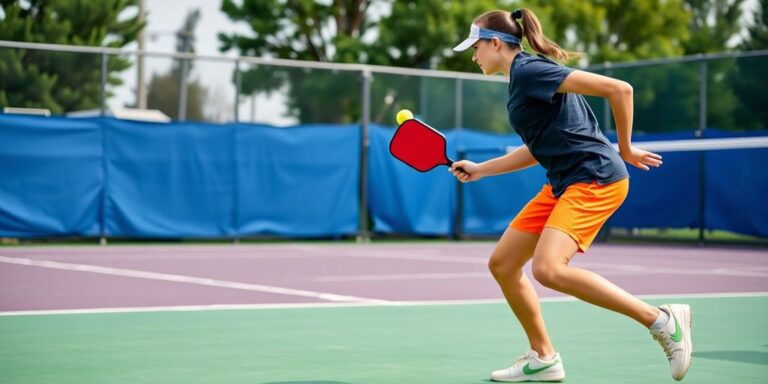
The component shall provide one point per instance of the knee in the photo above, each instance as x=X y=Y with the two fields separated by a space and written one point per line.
x=496 y=266
x=501 y=267
x=548 y=274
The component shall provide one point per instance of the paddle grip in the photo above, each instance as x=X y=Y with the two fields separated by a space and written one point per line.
x=450 y=164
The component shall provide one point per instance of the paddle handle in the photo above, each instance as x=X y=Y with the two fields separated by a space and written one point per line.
x=450 y=163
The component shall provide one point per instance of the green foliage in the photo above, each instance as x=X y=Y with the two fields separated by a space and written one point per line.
x=22 y=87
x=757 y=32
x=713 y=25
x=615 y=30
x=750 y=111
x=62 y=82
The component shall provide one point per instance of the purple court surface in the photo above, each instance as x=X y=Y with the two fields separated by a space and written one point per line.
x=103 y=277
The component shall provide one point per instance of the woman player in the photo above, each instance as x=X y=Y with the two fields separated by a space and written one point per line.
x=588 y=181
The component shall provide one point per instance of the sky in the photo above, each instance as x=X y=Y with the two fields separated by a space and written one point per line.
x=167 y=16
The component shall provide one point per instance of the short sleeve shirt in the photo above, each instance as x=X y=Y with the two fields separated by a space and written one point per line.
x=560 y=129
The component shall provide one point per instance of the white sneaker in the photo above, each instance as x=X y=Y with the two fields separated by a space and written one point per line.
x=530 y=368
x=675 y=338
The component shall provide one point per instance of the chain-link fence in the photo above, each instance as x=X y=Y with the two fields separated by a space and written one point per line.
x=723 y=91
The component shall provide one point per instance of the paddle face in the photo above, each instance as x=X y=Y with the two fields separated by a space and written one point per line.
x=419 y=145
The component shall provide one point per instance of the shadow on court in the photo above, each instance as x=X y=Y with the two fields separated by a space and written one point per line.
x=752 y=357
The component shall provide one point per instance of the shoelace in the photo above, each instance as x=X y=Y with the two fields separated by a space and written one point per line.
x=663 y=339
x=521 y=360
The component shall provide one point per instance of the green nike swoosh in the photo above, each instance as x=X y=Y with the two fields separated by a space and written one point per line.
x=678 y=335
x=530 y=371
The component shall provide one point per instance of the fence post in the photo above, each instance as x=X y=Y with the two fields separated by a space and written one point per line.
x=183 y=88
x=365 y=143
x=103 y=202
x=702 y=154
x=458 y=107
x=458 y=224
x=458 y=229
x=103 y=85
x=238 y=88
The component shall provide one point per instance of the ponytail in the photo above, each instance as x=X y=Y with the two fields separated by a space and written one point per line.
x=531 y=30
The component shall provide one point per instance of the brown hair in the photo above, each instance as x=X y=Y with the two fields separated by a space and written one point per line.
x=506 y=22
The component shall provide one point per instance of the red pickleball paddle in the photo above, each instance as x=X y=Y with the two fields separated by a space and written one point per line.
x=419 y=146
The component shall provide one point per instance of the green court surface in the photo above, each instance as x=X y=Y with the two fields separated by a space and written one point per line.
x=444 y=344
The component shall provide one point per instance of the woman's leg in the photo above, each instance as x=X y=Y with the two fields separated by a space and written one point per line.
x=550 y=267
x=514 y=249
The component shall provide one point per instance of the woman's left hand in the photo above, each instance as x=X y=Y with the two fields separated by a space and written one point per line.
x=641 y=158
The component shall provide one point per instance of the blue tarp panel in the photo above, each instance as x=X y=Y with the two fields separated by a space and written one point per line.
x=300 y=181
x=176 y=180
x=169 y=180
x=736 y=186
x=51 y=176
x=102 y=176
x=664 y=197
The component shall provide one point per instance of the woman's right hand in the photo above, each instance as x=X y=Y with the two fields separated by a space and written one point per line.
x=640 y=158
x=471 y=171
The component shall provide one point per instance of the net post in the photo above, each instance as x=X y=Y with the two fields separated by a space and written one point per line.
x=365 y=117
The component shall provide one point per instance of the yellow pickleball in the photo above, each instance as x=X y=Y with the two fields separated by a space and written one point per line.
x=404 y=115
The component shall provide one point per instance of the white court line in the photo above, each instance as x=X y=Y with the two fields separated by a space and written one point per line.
x=223 y=307
x=183 y=279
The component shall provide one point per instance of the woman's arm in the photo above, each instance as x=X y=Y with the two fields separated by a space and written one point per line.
x=518 y=159
x=619 y=95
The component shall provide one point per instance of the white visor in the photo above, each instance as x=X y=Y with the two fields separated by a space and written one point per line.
x=474 y=36
x=476 y=33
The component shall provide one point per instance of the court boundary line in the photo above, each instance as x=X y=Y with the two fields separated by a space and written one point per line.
x=426 y=303
x=168 y=277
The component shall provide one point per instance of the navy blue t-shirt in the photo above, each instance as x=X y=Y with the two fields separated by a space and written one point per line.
x=559 y=128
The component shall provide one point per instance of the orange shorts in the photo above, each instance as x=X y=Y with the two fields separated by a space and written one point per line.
x=580 y=211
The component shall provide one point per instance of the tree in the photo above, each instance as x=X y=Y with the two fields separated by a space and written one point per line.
x=615 y=30
x=59 y=81
x=757 y=32
x=713 y=25
x=751 y=112
x=298 y=29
